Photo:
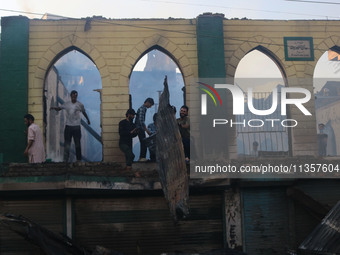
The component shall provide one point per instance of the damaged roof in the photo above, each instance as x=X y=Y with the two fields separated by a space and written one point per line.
x=325 y=239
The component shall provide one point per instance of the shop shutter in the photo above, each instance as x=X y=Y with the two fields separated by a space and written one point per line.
x=143 y=223
x=265 y=223
x=47 y=213
x=326 y=192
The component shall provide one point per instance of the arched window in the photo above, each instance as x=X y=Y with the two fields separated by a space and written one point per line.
x=146 y=80
x=73 y=70
x=327 y=102
x=259 y=135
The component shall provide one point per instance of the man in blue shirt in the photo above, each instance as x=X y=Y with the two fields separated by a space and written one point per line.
x=141 y=127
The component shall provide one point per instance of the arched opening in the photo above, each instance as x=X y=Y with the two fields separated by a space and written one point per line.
x=146 y=80
x=259 y=135
x=327 y=102
x=73 y=70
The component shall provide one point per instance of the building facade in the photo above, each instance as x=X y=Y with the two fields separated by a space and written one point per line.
x=258 y=216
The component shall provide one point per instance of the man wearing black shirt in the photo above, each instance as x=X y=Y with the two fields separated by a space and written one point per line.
x=127 y=131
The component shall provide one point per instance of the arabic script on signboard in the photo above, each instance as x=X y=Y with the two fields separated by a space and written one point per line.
x=298 y=49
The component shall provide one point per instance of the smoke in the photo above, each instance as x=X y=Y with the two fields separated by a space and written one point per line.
x=26 y=6
x=55 y=157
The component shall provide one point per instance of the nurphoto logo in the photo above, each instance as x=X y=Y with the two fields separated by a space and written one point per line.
x=281 y=98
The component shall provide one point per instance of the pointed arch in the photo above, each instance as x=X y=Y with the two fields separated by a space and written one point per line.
x=64 y=52
x=335 y=48
x=58 y=49
x=331 y=42
x=149 y=83
x=273 y=51
x=161 y=49
x=264 y=140
x=326 y=83
x=80 y=74
x=275 y=59
x=160 y=43
x=62 y=47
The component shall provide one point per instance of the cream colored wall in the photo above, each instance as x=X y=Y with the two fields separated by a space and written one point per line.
x=242 y=36
x=114 y=46
x=331 y=113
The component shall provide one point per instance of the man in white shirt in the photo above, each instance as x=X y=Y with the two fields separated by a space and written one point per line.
x=35 y=147
x=72 y=128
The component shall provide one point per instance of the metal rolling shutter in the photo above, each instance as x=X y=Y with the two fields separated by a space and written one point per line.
x=123 y=224
x=326 y=192
x=265 y=223
x=48 y=213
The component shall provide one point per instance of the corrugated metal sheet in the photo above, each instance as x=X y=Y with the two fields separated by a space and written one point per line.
x=325 y=239
x=170 y=156
x=326 y=192
x=304 y=223
x=48 y=213
x=265 y=222
x=144 y=223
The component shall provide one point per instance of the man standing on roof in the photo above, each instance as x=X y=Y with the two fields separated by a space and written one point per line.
x=141 y=127
x=184 y=127
x=35 y=147
x=72 y=128
x=127 y=131
x=322 y=140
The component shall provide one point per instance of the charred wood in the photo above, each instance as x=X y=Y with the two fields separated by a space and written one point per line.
x=170 y=156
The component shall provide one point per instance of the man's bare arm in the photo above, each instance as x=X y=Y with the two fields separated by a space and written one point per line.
x=29 y=144
x=55 y=108
x=88 y=120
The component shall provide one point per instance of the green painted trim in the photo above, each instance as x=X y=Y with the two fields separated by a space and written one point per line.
x=97 y=178
x=73 y=219
x=210 y=46
x=13 y=86
x=306 y=39
x=65 y=216
x=211 y=68
x=62 y=178
x=224 y=222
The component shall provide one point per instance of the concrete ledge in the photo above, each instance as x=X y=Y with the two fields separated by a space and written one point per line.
x=104 y=169
x=88 y=177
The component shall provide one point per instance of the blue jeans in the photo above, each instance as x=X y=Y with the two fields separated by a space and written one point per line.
x=129 y=156
x=143 y=148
